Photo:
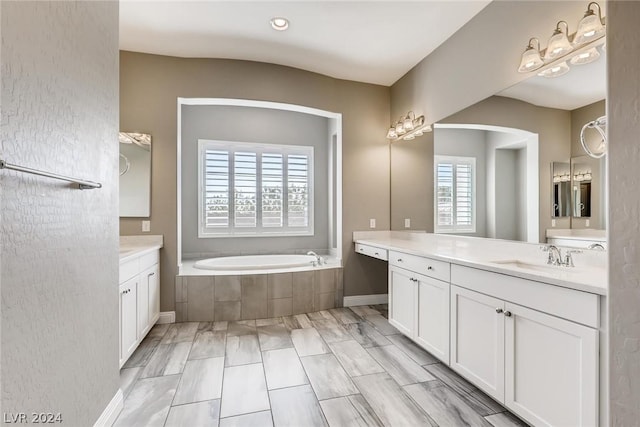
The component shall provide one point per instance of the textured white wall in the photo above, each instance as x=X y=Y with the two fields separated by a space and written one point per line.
x=623 y=111
x=59 y=259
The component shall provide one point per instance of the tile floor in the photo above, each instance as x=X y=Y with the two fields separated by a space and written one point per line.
x=341 y=367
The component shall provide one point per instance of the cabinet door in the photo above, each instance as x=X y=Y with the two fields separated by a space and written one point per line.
x=551 y=375
x=477 y=340
x=433 y=317
x=143 y=305
x=402 y=300
x=151 y=276
x=128 y=318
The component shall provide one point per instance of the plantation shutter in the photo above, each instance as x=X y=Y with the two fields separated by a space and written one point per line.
x=298 y=190
x=455 y=198
x=216 y=189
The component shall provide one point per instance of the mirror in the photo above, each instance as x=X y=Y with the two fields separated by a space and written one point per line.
x=517 y=195
x=561 y=193
x=135 y=174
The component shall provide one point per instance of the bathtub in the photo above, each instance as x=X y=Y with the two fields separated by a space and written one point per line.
x=255 y=262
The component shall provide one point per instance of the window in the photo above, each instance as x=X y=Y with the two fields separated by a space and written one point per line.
x=455 y=179
x=251 y=189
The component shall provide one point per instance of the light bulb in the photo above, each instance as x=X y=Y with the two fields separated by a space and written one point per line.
x=555 y=71
x=590 y=26
x=531 y=59
x=586 y=57
x=558 y=43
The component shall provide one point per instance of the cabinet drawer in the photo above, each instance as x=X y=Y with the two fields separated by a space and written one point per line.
x=429 y=267
x=372 y=251
x=148 y=260
x=128 y=269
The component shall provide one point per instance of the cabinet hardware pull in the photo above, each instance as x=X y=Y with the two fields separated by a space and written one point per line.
x=429 y=268
x=498 y=310
x=376 y=254
x=507 y=313
x=399 y=259
x=152 y=273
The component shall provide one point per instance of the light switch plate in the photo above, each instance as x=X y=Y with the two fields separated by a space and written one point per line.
x=146 y=226
x=586 y=223
x=407 y=223
x=553 y=222
x=372 y=223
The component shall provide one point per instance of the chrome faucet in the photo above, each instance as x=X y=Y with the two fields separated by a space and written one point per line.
x=555 y=254
x=319 y=259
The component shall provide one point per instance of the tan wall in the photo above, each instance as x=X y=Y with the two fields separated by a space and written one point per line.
x=59 y=268
x=149 y=88
x=554 y=130
x=581 y=116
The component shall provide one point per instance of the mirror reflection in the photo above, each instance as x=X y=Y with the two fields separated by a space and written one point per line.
x=561 y=181
x=135 y=174
x=508 y=142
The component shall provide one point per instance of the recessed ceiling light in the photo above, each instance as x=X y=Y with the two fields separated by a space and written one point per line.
x=279 y=23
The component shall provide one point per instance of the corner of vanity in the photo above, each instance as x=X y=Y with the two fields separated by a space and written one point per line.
x=527 y=334
x=139 y=290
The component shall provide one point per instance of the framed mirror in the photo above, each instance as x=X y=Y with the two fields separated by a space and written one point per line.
x=135 y=174
x=561 y=189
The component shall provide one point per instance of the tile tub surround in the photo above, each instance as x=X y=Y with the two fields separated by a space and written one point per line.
x=257 y=296
x=301 y=379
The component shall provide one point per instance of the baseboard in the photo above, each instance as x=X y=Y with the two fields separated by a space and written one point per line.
x=166 y=317
x=365 y=300
x=111 y=412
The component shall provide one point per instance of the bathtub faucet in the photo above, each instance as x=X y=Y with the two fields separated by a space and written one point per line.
x=319 y=259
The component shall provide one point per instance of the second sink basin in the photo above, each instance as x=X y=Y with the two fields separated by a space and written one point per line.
x=531 y=266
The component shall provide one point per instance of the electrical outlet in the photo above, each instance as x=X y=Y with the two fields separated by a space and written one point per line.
x=407 y=223
x=372 y=223
x=553 y=222
x=146 y=226
x=586 y=223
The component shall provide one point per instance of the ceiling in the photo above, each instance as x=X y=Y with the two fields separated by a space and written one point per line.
x=367 y=41
x=582 y=85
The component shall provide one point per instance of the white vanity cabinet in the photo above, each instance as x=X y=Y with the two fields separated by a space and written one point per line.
x=419 y=301
x=540 y=365
x=139 y=300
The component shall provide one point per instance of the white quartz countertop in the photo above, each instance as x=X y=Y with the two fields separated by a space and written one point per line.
x=135 y=246
x=589 y=274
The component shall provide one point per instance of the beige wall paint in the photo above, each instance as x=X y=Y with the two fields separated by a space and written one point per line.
x=579 y=117
x=59 y=268
x=623 y=109
x=554 y=130
x=150 y=86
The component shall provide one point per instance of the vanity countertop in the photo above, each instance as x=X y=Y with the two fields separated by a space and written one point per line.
x=135 y=246
x=498 y=256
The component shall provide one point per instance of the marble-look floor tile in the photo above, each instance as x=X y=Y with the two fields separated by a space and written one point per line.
x=400 y=366
x=241 y=327
x=505 y=419
x=366 y=335
x=244 y=390
x=204 y=413
x=145 y=350
x=208 y=344
x=382 y=308
x=363 y=310
x=290 y=322
x=158 y=330
x=273 y=337
x=355 y=359
x=220 y=325
x=308 y=342
x=283 y=368
x=256 y=419
x=180 y=332
x=201 y=380
x=483 y=404
x=205 y=327
x=365 y=410
x=444 y=406
x=321 y=315
x=168 y=359
x=148 y=403
x=327 y=377
x=450 y=378
x=242 y=350
x=296 y=407
x=420 y=356
x=390 y=403
x=381 y=324
x=331 y=331
x=303 y=321
x=340 y=412
x=345 y=316
x=268 y=322
x=128 y=378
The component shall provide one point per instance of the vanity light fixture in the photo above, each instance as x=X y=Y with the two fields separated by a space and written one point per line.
x=579 y=49
x=408 y=127
x=279 y=23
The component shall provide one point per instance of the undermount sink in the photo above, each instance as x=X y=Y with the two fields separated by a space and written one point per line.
x=533 y=267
